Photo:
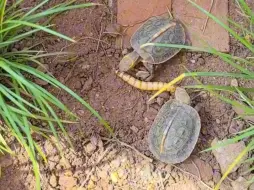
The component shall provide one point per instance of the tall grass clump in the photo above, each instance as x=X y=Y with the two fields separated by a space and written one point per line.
x=21 y=99
x=244 y=71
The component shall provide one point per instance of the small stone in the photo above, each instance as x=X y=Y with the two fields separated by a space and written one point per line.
x=240 y=184
x=134 y=129
x=77 y=84
x=146 y=171
x=182 y=96
x=5 y=161
x=116 y=163
x=67 y=182
x=90 y=148
x=236 y=126
x=61 y=79
x=125 y=51
x=227 y=154
x=103 y=174
x=88 y=84
x=94 y=140
x=110 y=52
x=240 y=111
x=142 y=75
x=101 y=54
x=192 y=61
x=151 y=102
x=122 y=174
x=217 y=121
x=164 y=95
x=206 y=171
x=117 y=55
x=53 y=180
x=151 y=113
x=216 y=176
x=114 y=29
x=160 y=101
x=200 y=61
x=169 y=168
x=234 y=83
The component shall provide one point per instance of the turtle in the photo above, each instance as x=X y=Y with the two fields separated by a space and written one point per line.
x=175 y=130
x=157 y=29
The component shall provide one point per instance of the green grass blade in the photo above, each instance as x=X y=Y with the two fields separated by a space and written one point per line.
x=45 y=29
x=232 y=32
x=225 y=57
x=220 y=88
x=235 y=162
x=34 y=9
x=58 y=10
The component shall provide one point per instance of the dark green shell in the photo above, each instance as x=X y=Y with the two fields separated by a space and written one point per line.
x=184 y=125
x=173 y=35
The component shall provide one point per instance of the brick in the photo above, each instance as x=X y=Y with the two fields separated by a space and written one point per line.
x=194 y=19
x=133 y=13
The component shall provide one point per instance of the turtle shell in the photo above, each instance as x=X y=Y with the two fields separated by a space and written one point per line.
x=174 y=34
x=180 y=125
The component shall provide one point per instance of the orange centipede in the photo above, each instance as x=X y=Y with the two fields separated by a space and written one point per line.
x=143 y=85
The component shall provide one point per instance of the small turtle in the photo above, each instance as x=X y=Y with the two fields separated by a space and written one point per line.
x=175 y=130
x=157 y=29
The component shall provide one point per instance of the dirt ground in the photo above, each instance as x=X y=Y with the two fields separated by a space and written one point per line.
x=99 y=162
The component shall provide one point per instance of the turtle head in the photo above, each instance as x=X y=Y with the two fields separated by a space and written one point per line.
x=128 y=61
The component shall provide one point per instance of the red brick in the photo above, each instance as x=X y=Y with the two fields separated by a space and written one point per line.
x=134 y=12
x=194 y=20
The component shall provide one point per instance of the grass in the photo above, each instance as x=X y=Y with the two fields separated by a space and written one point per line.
x=244 y=71
x=21 y=99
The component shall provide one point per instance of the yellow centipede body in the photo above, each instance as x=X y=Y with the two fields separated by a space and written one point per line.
x=143 y=85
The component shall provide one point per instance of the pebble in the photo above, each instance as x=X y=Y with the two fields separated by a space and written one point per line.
x=151 y=113
x=160 y=101
x=206 y=171
x=5 y=161
x=234 y=83
x=227 y=154
x=103 y=174
x=67 y=182
x=116 y=163
x=200 y=61
x=134 y=129
x=53 y=180
x=142 y=74
x=216 y=176
x=236 y=126
x=110 y=52
x=217 y=121
x=90 y=148
x=164 y=95
x=88 y=84
x=240 y=184
x=78 y=84
x=125 y=51
x=117 y=55
x=101 y=54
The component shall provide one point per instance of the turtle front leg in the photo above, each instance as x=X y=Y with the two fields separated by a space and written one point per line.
x=129 y=61
x=146 y=75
